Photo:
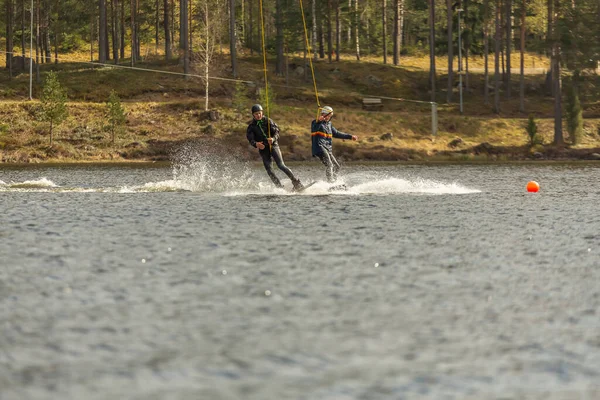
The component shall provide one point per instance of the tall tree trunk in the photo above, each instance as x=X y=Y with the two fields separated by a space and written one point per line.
x=508 y=45
x=340 y=27
x=558 y=132
x=102 y=32
x=133 y=34
x=467 y=43
x=432 y=74
x=243 y=19
x=43 y=33
x=233 y=36
x=23 y=34
x=401 y=29
x=367 y=24
x=122 y=26
x=329 y=33
x=396 y=34
x=56 y=31
x=184 y=32
x=47 y=33
x=190 y=29
x=37 y=42
x=42 y=43
x=182 y=23
x=384 y=26
x=172 y=23
x=502 y=29
x=280 y=63
x=114 y=30
x=207 y=55
x=356 y=24
x=313 y=38
x=138 y=43
x=486 y=51
x=167 y=30
x=250 y=28
x=9 y=36
x=549 y=41
x=117 y=32
x=338 y=30
x=320 y=38
x=47 y=37
x=92 y=35
x=350 y=22
x=450 y=52
x=157 y=26
x=106 y=31
x=522 y=52
x=39 y=34
x=498 y=35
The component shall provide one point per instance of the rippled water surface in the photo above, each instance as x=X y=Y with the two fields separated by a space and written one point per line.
x=204 y=282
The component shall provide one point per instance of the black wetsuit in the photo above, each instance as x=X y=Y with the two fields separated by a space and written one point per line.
x=259 y=131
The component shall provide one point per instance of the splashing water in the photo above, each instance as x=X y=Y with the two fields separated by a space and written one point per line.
x=42 y=183
x=207 y=167
x=397 y=185
x=196 y=169
x=366 y=184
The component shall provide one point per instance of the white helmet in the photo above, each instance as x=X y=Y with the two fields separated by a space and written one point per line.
x=326 y=110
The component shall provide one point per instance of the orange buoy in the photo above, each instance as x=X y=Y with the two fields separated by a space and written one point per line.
x=533 y=186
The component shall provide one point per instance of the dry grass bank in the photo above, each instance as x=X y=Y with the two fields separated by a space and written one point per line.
x=164 y=110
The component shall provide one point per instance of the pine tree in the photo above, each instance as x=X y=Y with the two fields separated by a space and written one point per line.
x=53 y=103
x=115 y=114
x=532 y=131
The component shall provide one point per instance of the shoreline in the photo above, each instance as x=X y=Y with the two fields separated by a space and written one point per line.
x=432 y=161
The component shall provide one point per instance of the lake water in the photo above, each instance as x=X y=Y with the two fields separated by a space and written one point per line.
x=202 y=281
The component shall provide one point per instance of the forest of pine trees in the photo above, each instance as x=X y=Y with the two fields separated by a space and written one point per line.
x=116 y=29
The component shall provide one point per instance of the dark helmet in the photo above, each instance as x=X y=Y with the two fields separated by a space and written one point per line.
x=256 y=108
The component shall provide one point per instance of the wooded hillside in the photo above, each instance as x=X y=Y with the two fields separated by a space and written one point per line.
x=188 y=34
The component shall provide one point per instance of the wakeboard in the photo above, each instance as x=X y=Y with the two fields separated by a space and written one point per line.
x=304 y=187
x=337 y=188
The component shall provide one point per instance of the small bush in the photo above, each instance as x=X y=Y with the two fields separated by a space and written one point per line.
x=532 y=132
x=72 y=42
x=7 y=92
